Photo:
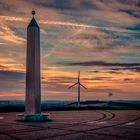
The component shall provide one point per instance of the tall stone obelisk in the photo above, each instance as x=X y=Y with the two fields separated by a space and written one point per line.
x=33 y=90
x=33 y=83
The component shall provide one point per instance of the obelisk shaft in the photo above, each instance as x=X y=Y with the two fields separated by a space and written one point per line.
x=33 y=93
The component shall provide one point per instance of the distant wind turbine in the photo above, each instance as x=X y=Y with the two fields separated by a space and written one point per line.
x=78 y=87
x=110 y=94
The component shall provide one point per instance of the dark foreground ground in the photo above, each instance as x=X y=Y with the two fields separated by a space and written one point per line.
x=75 y=125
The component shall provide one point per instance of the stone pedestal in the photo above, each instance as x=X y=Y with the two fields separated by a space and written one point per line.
x=32 y=118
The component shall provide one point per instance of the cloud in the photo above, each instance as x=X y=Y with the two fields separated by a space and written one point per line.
x=11 y=75
x=133 y=69
x=97 y=78
x=2 y=67
x=135 y=27
x=58 y=4
x=99 y=63
x=128 y=79
x=8 y=35
x=12 y=83
x=66 y=4
x=131 y=12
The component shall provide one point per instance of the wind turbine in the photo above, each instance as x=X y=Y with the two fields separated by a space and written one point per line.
x=78 y=87
x=110 y=94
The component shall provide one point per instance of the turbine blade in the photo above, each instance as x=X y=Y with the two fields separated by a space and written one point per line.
x=73 y=85
x=83 y=86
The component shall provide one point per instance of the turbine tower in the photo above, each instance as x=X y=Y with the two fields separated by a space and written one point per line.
x=78 y=83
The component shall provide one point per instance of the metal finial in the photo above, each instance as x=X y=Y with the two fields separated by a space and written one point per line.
x=33 y=12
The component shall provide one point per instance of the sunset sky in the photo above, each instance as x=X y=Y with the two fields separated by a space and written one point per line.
x=101 y=38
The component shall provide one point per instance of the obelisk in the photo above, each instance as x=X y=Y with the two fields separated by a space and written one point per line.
x=33 y=93
x=33 y=84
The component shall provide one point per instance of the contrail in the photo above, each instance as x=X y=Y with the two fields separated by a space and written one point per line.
x=67 y=24
x=11 y=18
x=117 y=29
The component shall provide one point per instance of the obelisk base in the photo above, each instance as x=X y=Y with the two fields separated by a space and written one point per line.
x=33 y=117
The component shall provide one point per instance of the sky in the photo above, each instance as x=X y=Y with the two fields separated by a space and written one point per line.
x=101 y=38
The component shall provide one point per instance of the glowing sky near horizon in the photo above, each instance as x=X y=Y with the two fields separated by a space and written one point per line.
x=99 y=37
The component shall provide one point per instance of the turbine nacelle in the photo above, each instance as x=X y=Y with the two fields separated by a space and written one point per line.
x=78 y=82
